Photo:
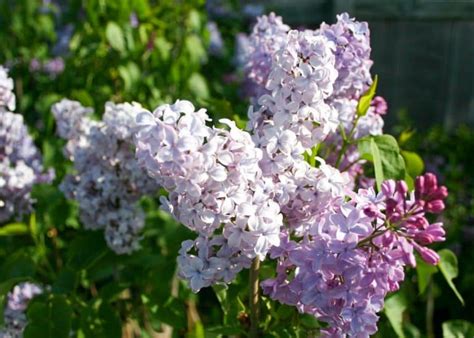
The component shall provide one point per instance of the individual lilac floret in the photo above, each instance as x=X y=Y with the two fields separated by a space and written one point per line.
x=7 y=97
x=255 y=55
x=353 y=63
x=14 y=314
x=20 y=161
x=214 y=184
x=107 y=182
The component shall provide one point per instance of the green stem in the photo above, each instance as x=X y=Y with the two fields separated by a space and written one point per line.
x=254 y=298
x=346 y=141
x=430 y=311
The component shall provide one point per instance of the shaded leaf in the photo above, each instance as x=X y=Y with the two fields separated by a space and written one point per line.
x=49 y=318
x=448 y=265
x=394 y=308
x=413 y=162
x=458 y=329
x=14 y=229
x=114 y=35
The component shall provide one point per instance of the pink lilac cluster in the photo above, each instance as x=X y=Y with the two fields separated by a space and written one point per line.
x=255 y=52
x=20 y=161
x=14 y=315
x=349 y=260
x=216 y=188
x=107 y=181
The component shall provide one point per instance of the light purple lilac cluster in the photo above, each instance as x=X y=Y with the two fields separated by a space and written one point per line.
x=216 y=188
x=14 y=315
x=20 y=161
x=339 y=250
x=107 y=182
x=349 y=260
x=255 y=53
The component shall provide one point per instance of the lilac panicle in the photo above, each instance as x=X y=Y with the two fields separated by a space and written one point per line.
x=20 y=160
x=107 y=182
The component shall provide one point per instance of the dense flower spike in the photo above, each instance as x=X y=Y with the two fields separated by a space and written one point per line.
x=353 y=63
x=20 y=161
x=215 y=186
x=107 y=182
x=255 y=52
x=356 y=255
x=14 y=315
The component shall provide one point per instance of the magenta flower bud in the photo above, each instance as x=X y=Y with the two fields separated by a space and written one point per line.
x=419 y=186
x=428 y=255
x=435 y=206
x=431 y=182
x=388 y=187
x=371 y=211
x=402 y=187
x=440 y=194
x=380 y=105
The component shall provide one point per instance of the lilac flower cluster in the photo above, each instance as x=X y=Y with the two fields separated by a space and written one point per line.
x=355 y=254
x=107 y=182
x=20 y=161
x=255 y=52
x=338 y=252
x=216 y=188
x=14 y=315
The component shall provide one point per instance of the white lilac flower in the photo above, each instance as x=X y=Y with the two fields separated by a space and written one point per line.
x=14 y=315
x=255 y=52
x=20 y=161
x=107 y=181
x=215 y=185
x=7 y=97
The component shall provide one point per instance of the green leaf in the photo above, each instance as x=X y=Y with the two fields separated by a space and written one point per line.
x=197 y=331
x=394 y=308
x=86 y=249
x=365 y=100
x=384 y=153
x=414 y=163
x=163 y=47
x=65 y=282
x=198 y=86
x=448 y=265
x=173 y=313
x=379 y=176
x=458 y=329
x=114 y=36
x=49 y=318
x=103 y=322
x=424 y=274
x=195 y=48
x=14 y=229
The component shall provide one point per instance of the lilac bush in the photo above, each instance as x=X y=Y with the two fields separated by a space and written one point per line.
x=20 y=161
x=292 y=189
